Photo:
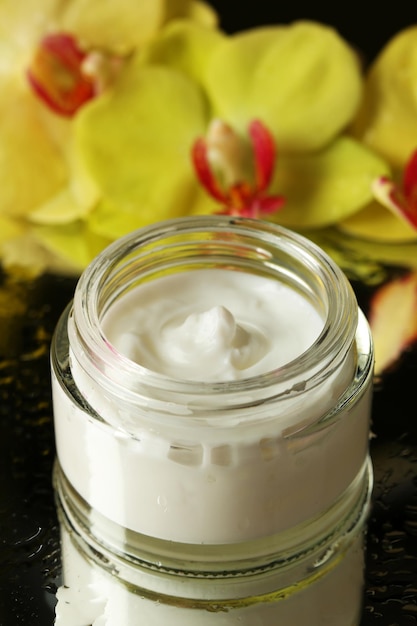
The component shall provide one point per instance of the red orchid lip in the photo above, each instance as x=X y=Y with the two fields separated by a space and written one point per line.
x=204 y=172
x=242 y=198
x=264 y=153
x=56 y=74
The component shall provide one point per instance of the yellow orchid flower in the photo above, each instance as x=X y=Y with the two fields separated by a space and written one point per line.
x=387 y=122
x=129 y=102
x=55 y=58
x=124 y=25
x=235 y=174
x=132 y=149
x=387 y=117
x=134 y=145
x=304 y=82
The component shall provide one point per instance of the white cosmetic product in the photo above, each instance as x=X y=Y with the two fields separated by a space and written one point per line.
x=212 y=388
x=213 y=325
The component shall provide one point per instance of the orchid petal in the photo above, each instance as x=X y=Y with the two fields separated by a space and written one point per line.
x=303 y=81
x=400 y=199
x=9 y=228
x=271 y=204
x=136 y=148
x=22 y=25
x=393 y=320
x=123 y=25
x=111 y=222
x=32 y=168
x=27 y=255
x=203 y=13
x=376 y=223
x=264 y=154
x=387 y=119
x=20 y=248
x=324 y=187
x=387 y=192
x=74 y=246
x=61 y=209
x=204 y=171
x=184 y=46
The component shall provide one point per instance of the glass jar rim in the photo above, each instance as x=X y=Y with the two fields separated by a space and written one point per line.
x=94 y=349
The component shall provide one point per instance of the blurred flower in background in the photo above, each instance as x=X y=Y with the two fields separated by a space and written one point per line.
x=103 y=106
x=36 y=66
x=386 y=121
x=393 y=319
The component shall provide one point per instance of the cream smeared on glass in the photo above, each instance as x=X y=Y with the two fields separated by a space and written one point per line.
x=212 y=325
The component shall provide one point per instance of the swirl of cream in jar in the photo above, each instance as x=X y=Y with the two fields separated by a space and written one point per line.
x=213 y=325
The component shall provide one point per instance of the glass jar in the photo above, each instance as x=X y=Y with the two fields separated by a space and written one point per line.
x=228 y=498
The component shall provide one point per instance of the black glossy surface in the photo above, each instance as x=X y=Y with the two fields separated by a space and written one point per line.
x=29 y=546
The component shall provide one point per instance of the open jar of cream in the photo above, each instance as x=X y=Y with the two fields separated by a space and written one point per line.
x=212 y=384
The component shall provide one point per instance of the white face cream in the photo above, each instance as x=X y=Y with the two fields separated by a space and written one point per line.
x=212 y=325
x=211 y=390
